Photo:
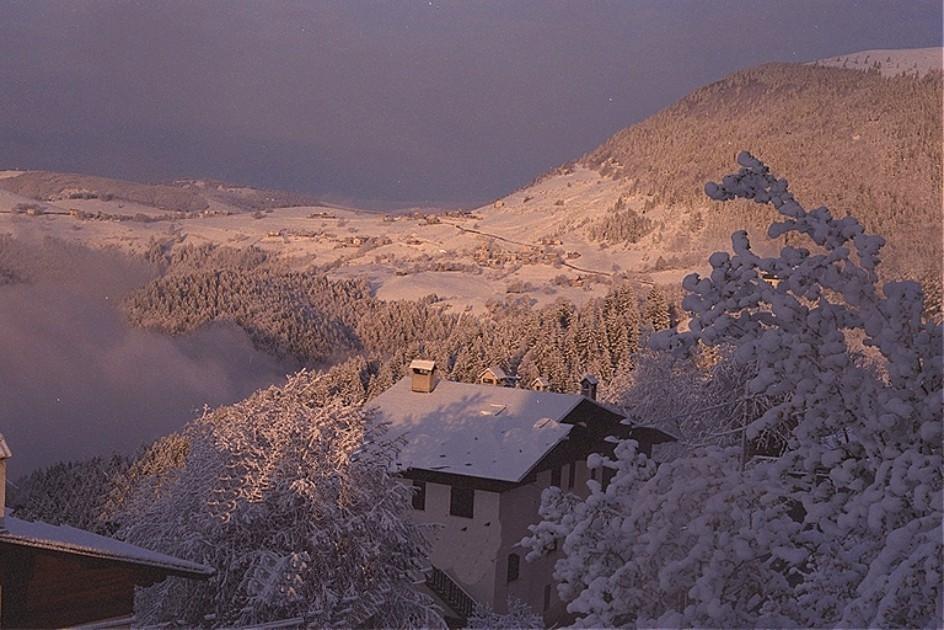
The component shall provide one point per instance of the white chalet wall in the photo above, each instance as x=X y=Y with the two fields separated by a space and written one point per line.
x=465 y=548
x=474 y=551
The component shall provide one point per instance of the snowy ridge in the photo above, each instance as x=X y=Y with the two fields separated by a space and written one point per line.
x=889 y=62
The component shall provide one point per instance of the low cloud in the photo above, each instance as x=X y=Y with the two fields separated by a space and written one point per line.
x=76 y=380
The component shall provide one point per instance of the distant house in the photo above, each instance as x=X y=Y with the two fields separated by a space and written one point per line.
x=55 y=576
x=497 y=376
x=478 y=458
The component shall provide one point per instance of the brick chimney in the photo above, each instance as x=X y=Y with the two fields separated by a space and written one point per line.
x=423 y=376
x=5 y=454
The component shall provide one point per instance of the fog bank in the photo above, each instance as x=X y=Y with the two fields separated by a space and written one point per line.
x=76 y=380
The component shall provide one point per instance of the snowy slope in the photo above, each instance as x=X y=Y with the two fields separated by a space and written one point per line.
x=890 y=62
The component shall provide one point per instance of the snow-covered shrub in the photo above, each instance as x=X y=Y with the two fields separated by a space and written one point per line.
x=289 y=498
x=678 y=545
x=519 y=617
x=843 y=528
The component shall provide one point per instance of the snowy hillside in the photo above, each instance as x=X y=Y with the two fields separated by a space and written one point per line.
x=890 y=63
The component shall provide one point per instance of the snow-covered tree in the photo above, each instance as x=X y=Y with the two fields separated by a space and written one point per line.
x=844 y=527
x=657 y=309
x=290 y=498
x=519 y=617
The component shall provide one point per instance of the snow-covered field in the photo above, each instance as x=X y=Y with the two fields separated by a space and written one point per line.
x=533 y=242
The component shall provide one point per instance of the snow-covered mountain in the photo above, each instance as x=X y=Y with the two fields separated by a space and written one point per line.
x=633 y=207
x=890 y=62
x=641 y=191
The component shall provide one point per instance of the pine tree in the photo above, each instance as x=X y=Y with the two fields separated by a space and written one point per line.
x=657 y=309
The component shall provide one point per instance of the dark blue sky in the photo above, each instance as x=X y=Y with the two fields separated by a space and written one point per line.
x=399 y=101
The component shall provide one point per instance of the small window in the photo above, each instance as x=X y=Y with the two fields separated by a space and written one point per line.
x=547 y=596
x=462 y=502
x=514 y=565
x=556 y=477
x=571 y=475
x=419 y=495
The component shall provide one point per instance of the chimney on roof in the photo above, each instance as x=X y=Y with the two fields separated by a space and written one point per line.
x=423 y=376
x=5 y=454
x=588 y=386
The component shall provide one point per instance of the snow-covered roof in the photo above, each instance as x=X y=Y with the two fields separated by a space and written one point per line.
x=476 y=430
x=80 y=542
x=589 y=378
x=496 y=371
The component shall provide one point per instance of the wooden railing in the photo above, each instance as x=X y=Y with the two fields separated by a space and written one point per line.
x=446 y=588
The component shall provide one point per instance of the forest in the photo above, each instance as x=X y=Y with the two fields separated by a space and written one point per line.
x=879 y=136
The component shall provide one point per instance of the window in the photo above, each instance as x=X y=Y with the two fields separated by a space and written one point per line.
x=514 y=564
x=547 y=596
x=419 y=495
x=593 y=474
x=571 y=475
x=462 y=502
x=556 y=477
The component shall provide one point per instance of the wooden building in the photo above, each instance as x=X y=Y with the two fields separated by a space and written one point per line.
x=57 y=576
x=497 y=376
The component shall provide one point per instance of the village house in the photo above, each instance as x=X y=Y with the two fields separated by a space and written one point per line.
x=478 y=457
x=497 y=376
x=53 y=576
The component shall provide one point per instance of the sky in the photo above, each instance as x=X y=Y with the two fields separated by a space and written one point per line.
x=384 y=103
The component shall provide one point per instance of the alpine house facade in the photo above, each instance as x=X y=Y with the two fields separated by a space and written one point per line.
x=479 y=457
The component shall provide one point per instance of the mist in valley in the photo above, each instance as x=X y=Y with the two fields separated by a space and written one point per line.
x=77 y=381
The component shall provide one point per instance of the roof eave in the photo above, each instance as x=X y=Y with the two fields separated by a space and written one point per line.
x=194 y=571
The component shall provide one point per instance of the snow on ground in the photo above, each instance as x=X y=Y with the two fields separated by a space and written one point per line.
x=890 y=62
x=532 y=244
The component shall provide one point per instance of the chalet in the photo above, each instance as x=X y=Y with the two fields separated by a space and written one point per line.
x=478 y=458
x=497 y=376
x=55 y=576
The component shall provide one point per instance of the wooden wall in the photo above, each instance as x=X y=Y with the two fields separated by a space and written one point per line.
x=42 y=588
